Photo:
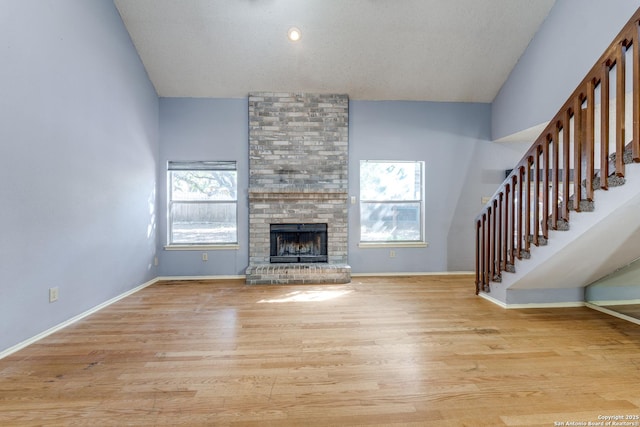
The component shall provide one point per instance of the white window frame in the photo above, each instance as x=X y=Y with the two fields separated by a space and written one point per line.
x=199 y=166
x=421 y=242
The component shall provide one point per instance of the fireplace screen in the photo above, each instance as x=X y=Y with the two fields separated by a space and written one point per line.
x=298 y=243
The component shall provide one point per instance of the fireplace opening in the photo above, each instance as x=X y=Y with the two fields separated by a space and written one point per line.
x=298 y=243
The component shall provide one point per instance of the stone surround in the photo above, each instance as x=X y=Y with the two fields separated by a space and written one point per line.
x=298 y=173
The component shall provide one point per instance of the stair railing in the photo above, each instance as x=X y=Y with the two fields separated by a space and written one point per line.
x=558 y=173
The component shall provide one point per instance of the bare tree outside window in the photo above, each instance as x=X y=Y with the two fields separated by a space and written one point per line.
x=202 y=203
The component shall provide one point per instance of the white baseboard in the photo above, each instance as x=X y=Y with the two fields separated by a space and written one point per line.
x=616 y=302
x=413 y=273
x=568 y=304
x=614 y=313
x=74 y=319
x=242 y=276
x=492 y=299
x=532 y=305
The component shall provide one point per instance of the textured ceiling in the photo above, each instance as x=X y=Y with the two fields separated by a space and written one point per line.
x=435 y=50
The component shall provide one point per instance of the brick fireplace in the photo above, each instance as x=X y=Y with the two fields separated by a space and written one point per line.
x=298 y=175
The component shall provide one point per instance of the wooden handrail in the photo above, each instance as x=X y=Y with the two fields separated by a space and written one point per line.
x=536 y=195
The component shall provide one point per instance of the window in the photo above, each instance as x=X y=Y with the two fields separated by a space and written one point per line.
x=391 y=202
x=203 y=203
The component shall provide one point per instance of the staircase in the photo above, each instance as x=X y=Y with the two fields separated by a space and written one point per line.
x=556 y=224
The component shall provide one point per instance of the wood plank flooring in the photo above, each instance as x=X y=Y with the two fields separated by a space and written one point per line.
x=410 y=351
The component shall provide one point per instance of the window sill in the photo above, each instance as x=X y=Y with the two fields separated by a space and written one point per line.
x=231 y=246
x=368 y=245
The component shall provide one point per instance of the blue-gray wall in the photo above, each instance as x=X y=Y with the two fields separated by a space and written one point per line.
x=444 y=136
x=78 y=143
x=204 y=129
x=568 y=43
x=450 y=137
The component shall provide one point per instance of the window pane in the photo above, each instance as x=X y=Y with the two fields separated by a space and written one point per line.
x=203 y=185
x=202 y=223
x=381 y=222
x=389 y=180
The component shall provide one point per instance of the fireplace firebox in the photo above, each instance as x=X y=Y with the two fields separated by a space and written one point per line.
x=298 y=243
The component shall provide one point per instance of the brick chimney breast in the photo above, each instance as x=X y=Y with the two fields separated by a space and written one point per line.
x=298 y=173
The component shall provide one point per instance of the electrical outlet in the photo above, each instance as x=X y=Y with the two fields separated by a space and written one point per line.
x=53 y=294
x=205 y=256
x=392 y=253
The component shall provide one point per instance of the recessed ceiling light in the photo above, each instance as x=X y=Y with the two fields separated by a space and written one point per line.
x=294 y=34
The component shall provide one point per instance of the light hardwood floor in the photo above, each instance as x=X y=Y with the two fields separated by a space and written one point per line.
x=421 y=351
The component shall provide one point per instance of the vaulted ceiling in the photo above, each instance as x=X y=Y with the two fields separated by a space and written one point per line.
x=434 y=50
